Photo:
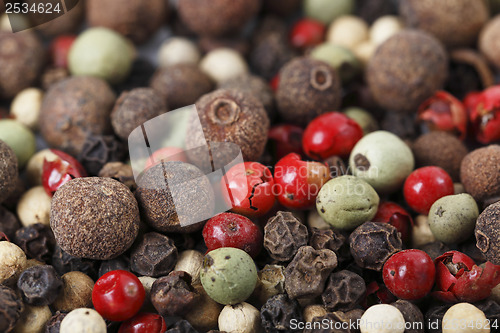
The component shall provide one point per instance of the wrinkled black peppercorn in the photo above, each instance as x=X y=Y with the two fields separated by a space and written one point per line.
x=40 y=285
x=54 y=323
x=277 y=313
x=155 y=255
x=98 y=150
x=326 y=239
x=344 y=290
x=284 y=234
x=173 y=295
x=181 y=326
x=121 y=262
x=11 y=307
x=9 y=223
x=412 y=314
x=64 y=263
x=37 y=241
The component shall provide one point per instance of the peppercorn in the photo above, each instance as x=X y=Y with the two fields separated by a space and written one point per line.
x=343 y=292
x=479 y=173
x=98 y=150
x=121 y=262
x=364 y=119
x=53 y=75
x=178 y=50
x=154 y=255
x=121 y=172
x=491 y=310
x=11 y=307
x=217 y=18
x=136 y=20
x=312 y=311
x=278 y=312
x=181 y=84
x=34 y=207
x=487 y=233
x=22 y=59
x=347 y=322
x=242 y=317
x=347 y=31
x=157 y=200
x=223 y=64
x=271 y=282
x=472 y=318
x=54 y=323
x=173 y=295
x=284 y=234
x=228 y=116
x=372 y=243
x=383 y=318
x=180 y=326
x=20 y=139
x=434 y=249
x=39 y=285
x=64 y=263
x=340 y=58
x=83 y=320
x=406 y=69
x=25 y=107
x=238 y=44
x=488 y=41
x=190 y=261
x=37 y=241
x=411 y=314
x=329 y=239
x=421 y=232
x=94 y=218
x=76 y=292
x=306 y=274
x=9 y=223
x=8 y=171
x=204 y=313
x=307 y=88
x=33 y=319
x=73 y=109
x=12 y=264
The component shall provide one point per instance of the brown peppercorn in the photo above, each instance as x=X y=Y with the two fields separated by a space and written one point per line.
x=277 y=313
x=9 y=223
x=479 y=173
x=156 y=200
x=137 y=20
x=456 y=23
x=489 y=41
x=121 y=172
x=407 y=69
x=37 y=241
x=94 y=218
x=40 y=285
x=53 y=75
x=204 y=313
x=488 y=233
x=217 y=17
x=155 y=255
x=11 y=307
x=98 y=150
x=440 y=149
x=8 y=171
x=372 y=243
x=228 y=116
x=329 y=239
x=412 y=314
x=76 y=292
x=73 y=109
x=54 y=323
x=344 y=290
x=307 y=88
x=306 y=274
x=21 y=59
x=133 y=108
x=173 y=295
x=284 y=234
x=239 y=44
x=64 y=263
x=271 y=282
x=181 y=85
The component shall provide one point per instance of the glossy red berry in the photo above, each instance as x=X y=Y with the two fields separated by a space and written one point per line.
x=285 y=139
x=409 y=274
x=397 y=216
x=485 y=115
x=59 y=50
x=58 y=172
x=118 y=295
x=298 y=182
x=306 y=33
x=330 y=134
x=424 y=186
x=232 y=230
x=248 y=189
x=377 y=294
x=166 y=154
x=144 y=323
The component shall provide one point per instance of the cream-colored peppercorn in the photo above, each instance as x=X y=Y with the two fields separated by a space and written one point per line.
x=83 y=321
x=347 y=31
x=76 y=293
x=364 y=51
x=465 y=318
x=312 y=311
x=190 y=261
x=421 y=232
x=240 y=318
x=178 y=50
x=384 y=27
x=382 y=318
x=26 y=107
x=223 y=64
x=34 y=207
x=314 y=220
x=13 y=261
x=147 y=283
x=34 y=168
x=33 y=319
x=271 y=281
x=204 y=314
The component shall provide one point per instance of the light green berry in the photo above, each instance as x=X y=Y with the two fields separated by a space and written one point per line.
x=19 y=138
x=340 y=58
x=364 y=119
x=327 y=10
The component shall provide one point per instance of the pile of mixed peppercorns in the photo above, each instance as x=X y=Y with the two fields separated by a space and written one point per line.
x=369 y=199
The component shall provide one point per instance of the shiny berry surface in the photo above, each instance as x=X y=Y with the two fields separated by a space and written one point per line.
x=285 y=139
x=485 y=115
x=58 y=172
x=144 y=323
x=306 y=33
x=397 y=216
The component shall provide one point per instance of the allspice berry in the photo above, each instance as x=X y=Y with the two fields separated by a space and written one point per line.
x=94 y=218
x=307 y=88
x=135 y=107
x=8 y=171
x=73 y=109
x=479 y=173
x=137 y=20
x=455 y=23
x=488 y=233
x=21 y=60
x=217 y=17
x=76 y=292
x=407 y=69
x=489 y=41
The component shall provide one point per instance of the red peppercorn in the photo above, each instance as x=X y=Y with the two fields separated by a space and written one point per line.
x=409 y=274
x=424 y=186
x=306 y=33
x=330 y=134
x=118 y=295
x=3 y=237
x=166 y=154
x=394 y=214
x=485 y=115
x=144 y=323
x=248 y=189
x=377 y=294
x=443 y=112
x=274 y=83
x=285 y=139
x=298 y=182
x=58 y=172
x=59 y=50
x=232 y=230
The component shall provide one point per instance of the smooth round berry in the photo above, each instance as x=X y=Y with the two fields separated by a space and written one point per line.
x=233 y=230
x=285 y=139
x=395 y=215
x=424 y=186
x=409 y=274
x=144 y=323
x=306 y=33
x=118 y=295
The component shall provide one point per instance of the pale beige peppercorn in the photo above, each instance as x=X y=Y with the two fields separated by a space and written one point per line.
x=204 y=315
x=240 y=318
x=33 y=319
x=271 y=281
x=312 y=311
x=190 y=261
x=34 y=207
x=465 y=318
x=83 y=321
x=421 y=233
x=76 y=293
x=13 y=262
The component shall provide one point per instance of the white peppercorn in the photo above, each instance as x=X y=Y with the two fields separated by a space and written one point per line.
x=12 y=264
x=33 y=319
x=271 y=281
x=223 y=64
x=421 y=232
x=34 y=168
x=83 y=321
x=382 y=318
x=384 y=27
x=240 y=318
x=34 y=207
x=465 y=318
x=26 y=107
x=178 y=50
x=190 y=261
x=347 y=31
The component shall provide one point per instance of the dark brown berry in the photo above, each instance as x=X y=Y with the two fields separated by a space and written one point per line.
x=284 y=234
x=8 y=171
x=479 y=173
x=277 y=313
x=343 y=292
x=11 y=307
x=173 y=295
x=37 y=241
x=154 y=255
x=488 y=233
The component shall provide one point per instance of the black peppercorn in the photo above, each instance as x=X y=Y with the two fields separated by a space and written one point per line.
x=181 y=326
x=155 y=255
x=307 y=88
x=9 y=223
x=372 y=243
x=122 y=262
x=54 y=323
x=344 y=290
x=284 y=234
x=277 y=313
x=326 y=239
x=98 y=150
x=40 y=285
x=64 y=263
x=173 y=295
x=11 y=307
x=412 y=314
x=37 y=241
x=306 y=274
x=488 y=233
